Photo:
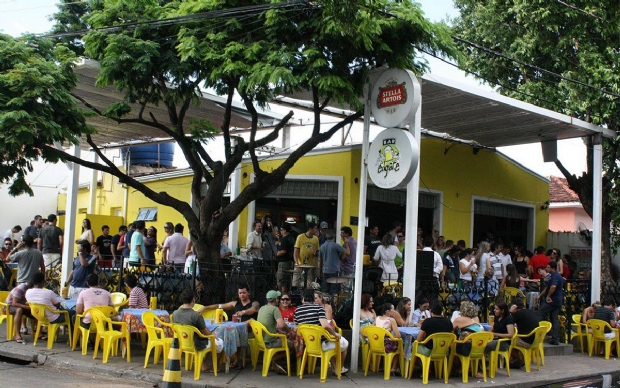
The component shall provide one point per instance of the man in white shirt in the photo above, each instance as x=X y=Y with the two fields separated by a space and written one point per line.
x=437 y=262
x=174 y=248
x=11 y=232
x=504 y=255
x=254 y=241
x=46 y=297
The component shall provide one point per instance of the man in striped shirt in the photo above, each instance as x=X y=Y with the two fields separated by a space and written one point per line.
x=313 y=314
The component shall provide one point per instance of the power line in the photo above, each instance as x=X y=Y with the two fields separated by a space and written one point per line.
x=501 y=55
x=579 y=9
x=225 y=13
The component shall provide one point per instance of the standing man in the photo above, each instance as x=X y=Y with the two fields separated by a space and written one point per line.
x=285 y=259
x=539 y=260
x=552 y=302
x=437 y=262
x=131 y=228
x=496 y=262
x=138 y=249
x=372 y=241
x=115 y=245
x=174 y=248
x=29 y=260
x=306 y=250
x=50 y=241
x=347 y=266
x=34 y=229
x=11 y=232
x=330 y=255
x=104 y=244
x=254 y=241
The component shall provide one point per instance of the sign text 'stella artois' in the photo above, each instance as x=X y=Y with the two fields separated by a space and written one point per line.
x=392 y=95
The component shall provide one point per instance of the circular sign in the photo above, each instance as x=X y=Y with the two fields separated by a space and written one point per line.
x=393 y=158
x=395 y=98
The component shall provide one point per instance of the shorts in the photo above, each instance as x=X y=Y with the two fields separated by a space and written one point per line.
x=522 y=343
x=283 y=277
x=327 y=345
x=277 y=343
x=51 y=259
x=219 y=345
x=611 y=335
x=25 y=312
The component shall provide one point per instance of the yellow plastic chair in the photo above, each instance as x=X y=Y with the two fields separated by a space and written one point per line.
x=38 y=312
x=376 y=349
x=186 y=333
x=533 y=352
x=119 y=300
x=5 y=315
x=210 y=314
x=596 y=336
x=111 y=338
x=259 y=330
x=314 y=336
x=197 y=306
x=79 y=331
x=336 y=328
x=579 y=331
x=479 y=343
x=153 y=303
x=494 y=359
x=547 y=325
x=157 y=339
x=439 y=356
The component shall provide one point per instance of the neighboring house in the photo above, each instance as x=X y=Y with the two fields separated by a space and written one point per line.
x=565 y=209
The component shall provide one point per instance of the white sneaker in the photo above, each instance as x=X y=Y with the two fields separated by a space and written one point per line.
x=343 y=370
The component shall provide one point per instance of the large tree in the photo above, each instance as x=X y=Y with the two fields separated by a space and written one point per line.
x=164 y=53
x=560 y=56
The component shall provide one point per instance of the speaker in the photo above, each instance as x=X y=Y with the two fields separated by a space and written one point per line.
x=549 y=150
x=425 y=265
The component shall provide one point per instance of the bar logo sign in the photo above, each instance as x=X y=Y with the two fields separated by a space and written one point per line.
x=392 y=158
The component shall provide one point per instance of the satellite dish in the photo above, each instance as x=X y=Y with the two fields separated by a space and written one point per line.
x=585 y=235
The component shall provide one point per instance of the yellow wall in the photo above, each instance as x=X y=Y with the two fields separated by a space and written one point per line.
x=458 y=174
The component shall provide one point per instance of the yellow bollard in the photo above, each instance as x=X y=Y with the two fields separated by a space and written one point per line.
x=172 y=374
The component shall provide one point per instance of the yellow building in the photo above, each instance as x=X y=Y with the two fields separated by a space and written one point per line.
x=465 y=193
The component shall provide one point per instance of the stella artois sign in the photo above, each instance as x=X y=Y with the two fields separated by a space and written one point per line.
x=394 y=98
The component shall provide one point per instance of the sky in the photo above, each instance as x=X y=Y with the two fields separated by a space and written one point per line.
x=20 y=16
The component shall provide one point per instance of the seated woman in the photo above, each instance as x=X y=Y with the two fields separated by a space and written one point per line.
x=137 y=297
x=465 y=325
x=367 y=314
x=386 y=320
x=503 y=327
x=421 y=313
x=322 y=300
x=286 y=309
x=402 y=314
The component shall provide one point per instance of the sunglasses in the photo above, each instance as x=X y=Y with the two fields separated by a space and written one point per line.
x=285 y=299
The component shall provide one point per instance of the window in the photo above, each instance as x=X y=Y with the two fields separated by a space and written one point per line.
x=147 y=214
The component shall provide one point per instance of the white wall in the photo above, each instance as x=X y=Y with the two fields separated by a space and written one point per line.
x=21 y=210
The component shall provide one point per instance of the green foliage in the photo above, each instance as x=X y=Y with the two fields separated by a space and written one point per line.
x=36 y=106
x=580 y=44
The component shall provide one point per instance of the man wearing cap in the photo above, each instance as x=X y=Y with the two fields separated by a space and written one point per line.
x=323 y=232
x=269 y=315
x=294 y=231
x=306 y=251
x=284 y=255
x=525 y=320
x=50 y=241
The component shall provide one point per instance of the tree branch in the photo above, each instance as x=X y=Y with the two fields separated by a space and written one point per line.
x=273 y=135
x=316 y=108
x=252 y=145
x=227 y=118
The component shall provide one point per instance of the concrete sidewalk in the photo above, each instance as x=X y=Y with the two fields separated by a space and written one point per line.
x=558 y=369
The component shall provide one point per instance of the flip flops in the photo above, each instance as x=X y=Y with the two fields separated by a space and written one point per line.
x=19 y=340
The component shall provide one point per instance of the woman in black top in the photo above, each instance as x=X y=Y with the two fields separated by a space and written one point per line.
x=503 y=327
x=512 y=278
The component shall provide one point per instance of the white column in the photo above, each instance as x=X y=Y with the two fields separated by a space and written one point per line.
x=235 y=189
x=411 y=220
x=597 y=216
x=70 y=214
x=92 y=204
x=359 y=253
